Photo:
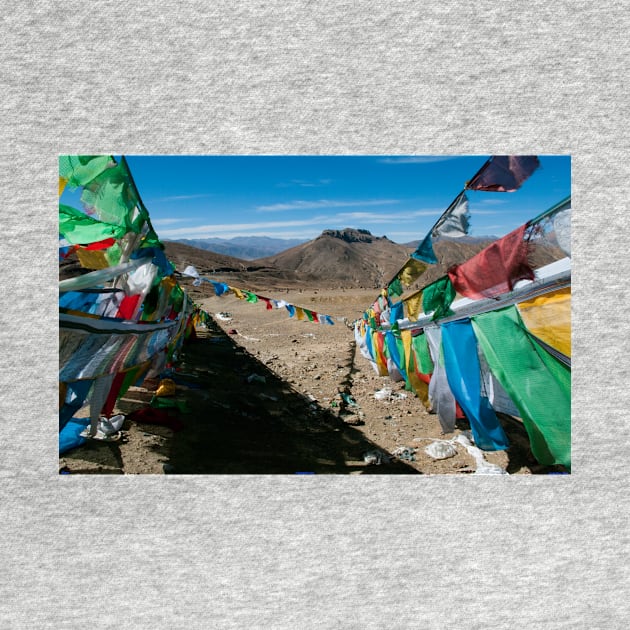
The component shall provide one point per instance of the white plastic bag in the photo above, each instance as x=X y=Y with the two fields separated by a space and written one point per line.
x=441 y=450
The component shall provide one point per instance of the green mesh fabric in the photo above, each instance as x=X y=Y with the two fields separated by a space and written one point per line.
x=78 y=228
x=111 y=196
x=538 y=384
x=421 y=349
x=80 y=170
x=438 y=297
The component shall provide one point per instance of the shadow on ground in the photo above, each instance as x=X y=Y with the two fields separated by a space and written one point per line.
x=244 y=419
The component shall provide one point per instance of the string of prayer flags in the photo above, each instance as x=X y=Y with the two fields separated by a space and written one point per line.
x=220 y=288
x=112 y=336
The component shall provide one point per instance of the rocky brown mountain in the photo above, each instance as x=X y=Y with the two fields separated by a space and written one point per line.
x=343 y=258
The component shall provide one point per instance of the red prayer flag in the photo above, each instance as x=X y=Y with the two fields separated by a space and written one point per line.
x=267 y=301
x=128 y=306
x=504 y=173
x=108 y=242
x=495 y=269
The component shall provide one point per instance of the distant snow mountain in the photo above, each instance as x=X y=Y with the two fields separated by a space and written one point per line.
x=243 y=247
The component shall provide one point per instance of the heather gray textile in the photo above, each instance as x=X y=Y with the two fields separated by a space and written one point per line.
x=322 y=78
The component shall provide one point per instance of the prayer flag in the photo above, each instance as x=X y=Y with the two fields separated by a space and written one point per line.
x=413 y=305
x=463 y=372
x=438 y=297
x=411 y=271
x=395 y=288
x=504 y=173
x=495 y=269
x=79 y=170
x=454 y=222
x=539 y=385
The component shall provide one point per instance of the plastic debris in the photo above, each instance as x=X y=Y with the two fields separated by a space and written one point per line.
x=349 y=400
x=376 y=458
x=483 y=467
x=107 y=429
x=383 y=394
x=441 y=449
x=112 y=425
x=405 y=452
x=225 y=317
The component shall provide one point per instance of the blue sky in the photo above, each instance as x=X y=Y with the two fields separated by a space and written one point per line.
x=299 y=196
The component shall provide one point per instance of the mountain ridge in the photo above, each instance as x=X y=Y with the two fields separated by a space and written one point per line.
x=243 y=247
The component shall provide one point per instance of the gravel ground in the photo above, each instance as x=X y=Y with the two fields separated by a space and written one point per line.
x=266 y=394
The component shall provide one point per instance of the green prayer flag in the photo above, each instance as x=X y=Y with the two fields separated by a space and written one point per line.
x=112 y=197
x=421 y=349
x=538 y=384
x=79 y=228
x=438 y=297
x=80 y=170
x=395 y=288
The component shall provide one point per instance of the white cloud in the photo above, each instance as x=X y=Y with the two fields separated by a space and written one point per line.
x=302 y=183
x=238 y=229
x=324 y=203
x=158 y=222
x=417 y=159
x=180 y=198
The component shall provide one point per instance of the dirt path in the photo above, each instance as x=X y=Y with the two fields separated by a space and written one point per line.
x=263 y=395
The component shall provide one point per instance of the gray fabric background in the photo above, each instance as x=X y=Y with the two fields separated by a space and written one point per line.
x=307 y=552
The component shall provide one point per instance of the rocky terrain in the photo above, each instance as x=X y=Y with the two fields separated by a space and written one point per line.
x=262 y=393
x=258 y=392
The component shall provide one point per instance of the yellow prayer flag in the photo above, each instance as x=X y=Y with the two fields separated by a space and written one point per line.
x=62 y=184
x=238 y=293
x=413 y=305
x=419 y=386
x=548 y=317
x=299 y=312
x=93 y=259
x=411 y=271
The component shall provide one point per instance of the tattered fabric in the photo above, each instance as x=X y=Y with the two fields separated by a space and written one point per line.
x=496 y=269
x=504 y=173
x=440 y=394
